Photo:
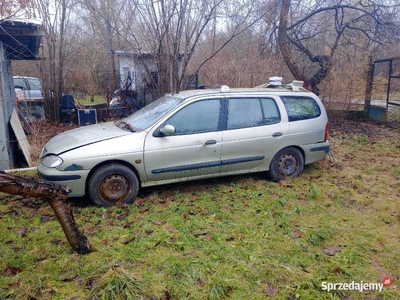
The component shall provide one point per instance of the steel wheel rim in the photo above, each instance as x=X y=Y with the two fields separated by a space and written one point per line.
x=115 y=188
x=288 y=164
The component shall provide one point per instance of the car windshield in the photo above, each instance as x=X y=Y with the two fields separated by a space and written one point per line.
x=27 y=83
x=34 y=84
x=151 y=113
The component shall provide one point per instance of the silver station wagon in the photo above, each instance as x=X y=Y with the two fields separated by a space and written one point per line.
x=191 y=135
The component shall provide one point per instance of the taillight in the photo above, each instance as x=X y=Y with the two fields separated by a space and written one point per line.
x=326 y=135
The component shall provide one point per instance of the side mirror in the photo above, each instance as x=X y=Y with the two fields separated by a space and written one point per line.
x=168 y=130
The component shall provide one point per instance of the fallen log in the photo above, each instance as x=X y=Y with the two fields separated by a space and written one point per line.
x=55 y=195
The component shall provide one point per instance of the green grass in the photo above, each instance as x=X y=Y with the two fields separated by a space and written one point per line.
x=87 y=101
x=240 y=237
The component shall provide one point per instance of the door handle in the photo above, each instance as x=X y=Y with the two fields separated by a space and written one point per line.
x=210 y=142
x=277 y=134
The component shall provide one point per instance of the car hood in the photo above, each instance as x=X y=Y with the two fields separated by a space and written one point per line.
x=82 y=136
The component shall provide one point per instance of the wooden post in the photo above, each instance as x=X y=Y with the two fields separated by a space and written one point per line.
x=7 y=102
x=368 y=86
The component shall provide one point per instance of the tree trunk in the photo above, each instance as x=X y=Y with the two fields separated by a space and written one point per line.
x=54 y=194
x=60 y=68
x=285 y=46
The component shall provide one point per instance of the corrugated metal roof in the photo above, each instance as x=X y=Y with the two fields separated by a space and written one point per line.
x=21 y=38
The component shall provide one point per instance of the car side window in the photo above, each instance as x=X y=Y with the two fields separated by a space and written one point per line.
x=244 y=112
x=270 y=111
x=301 y=108
x=201 y=116
x=251 y=112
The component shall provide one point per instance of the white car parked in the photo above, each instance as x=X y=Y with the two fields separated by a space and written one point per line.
x=191 y=135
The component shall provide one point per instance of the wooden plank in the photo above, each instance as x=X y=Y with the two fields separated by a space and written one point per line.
x=21 y=137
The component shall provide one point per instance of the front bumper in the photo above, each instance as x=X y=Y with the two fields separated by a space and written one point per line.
x=75 y=180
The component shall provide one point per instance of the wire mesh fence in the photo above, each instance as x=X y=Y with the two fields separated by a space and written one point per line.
x=386 y=89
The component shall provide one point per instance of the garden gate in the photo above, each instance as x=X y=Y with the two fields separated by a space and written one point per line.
x=385 y=91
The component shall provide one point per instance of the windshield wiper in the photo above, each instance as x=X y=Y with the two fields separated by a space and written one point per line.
x=125 y=125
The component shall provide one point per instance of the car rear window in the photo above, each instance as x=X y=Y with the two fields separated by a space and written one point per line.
x=301 y=108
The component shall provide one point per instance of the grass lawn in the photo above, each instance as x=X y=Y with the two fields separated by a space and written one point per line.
x=87 y=101
x=241 y=237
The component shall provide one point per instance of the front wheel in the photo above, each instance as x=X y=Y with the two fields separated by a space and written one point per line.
x=113 y=184
x=287 y=163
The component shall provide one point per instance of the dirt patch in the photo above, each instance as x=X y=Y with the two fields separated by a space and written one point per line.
x=369 y=128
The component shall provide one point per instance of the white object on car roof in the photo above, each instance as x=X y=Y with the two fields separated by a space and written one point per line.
x=275 y=81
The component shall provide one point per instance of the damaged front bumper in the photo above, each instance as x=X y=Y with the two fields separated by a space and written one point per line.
x=74 y=178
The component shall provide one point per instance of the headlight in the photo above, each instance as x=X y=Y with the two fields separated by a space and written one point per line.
x=51 y=161
x=43 y=152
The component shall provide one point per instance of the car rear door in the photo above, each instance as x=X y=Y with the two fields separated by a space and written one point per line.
x=254 y=132
x=195 y=148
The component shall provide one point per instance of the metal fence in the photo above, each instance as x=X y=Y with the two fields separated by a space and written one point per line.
x=386 y=88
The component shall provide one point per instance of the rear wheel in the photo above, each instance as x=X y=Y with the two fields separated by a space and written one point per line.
x=287 y=163
x=113 y=184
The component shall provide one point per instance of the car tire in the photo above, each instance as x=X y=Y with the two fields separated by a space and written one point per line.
x=113 y=184
x=287 y=163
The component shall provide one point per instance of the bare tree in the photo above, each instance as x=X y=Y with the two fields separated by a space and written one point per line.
x=309 y=36
x=240 y=63
x=91 y=45
x=13 y=8
x=172 y=30
x=55 y=17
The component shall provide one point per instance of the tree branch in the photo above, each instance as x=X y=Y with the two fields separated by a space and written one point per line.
x=54 y=194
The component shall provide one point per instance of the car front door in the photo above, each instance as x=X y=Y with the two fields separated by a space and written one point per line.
x=254 y=133
x=194 y=150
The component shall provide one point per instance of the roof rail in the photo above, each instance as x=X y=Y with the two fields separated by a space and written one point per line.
x=224 y=88
x=296 y=86
x=276 y=82
x=209 y=86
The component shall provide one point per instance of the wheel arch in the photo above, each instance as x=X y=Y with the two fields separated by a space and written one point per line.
x=282 y=167
x=108 y=162
x=291 y=146
x=301 y=151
